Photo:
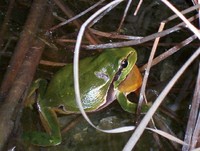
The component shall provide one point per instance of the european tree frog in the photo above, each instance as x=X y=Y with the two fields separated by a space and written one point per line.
x=103 y=78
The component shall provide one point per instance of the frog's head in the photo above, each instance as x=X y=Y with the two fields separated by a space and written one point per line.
x=126 y=64
x=127 y=78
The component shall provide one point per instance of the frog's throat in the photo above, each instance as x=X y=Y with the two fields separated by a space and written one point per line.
x=109 y=98
x=111 y=92
x=132 y=82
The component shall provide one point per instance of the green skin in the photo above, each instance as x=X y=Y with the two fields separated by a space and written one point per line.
x=98 y=87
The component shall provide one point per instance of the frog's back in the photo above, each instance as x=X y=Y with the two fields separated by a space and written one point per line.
x=95 y=77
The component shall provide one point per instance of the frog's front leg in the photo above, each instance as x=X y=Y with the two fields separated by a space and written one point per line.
x=52 y=136
x=40 y=85
x=48 y=118
x=128 y=105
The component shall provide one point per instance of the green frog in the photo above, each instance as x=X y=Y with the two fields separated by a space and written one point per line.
x=103 y=79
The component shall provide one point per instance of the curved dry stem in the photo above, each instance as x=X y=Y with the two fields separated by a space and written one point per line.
x=141 y=127
x=193 y=125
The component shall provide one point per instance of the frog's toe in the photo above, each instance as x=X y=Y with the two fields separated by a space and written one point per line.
x=41 y=139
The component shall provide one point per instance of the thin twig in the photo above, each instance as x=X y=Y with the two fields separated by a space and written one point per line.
x=170 y=52
x=141 y=127
x=196 y=133
x=95 y=20
x=142 y=40
x=77 y=16
x=180 y=15
x=124 y=15
x=193 y=117
x=69 y=13
x=146 y=75
x=182 y=12
x=50 y=63
x=138 y=7
x=72 y=123
x=113 y=35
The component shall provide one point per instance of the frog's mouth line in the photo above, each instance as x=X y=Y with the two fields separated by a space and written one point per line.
x=111 y=93
x=110 y=97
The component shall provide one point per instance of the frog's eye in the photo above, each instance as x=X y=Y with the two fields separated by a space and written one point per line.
x=124 y=63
